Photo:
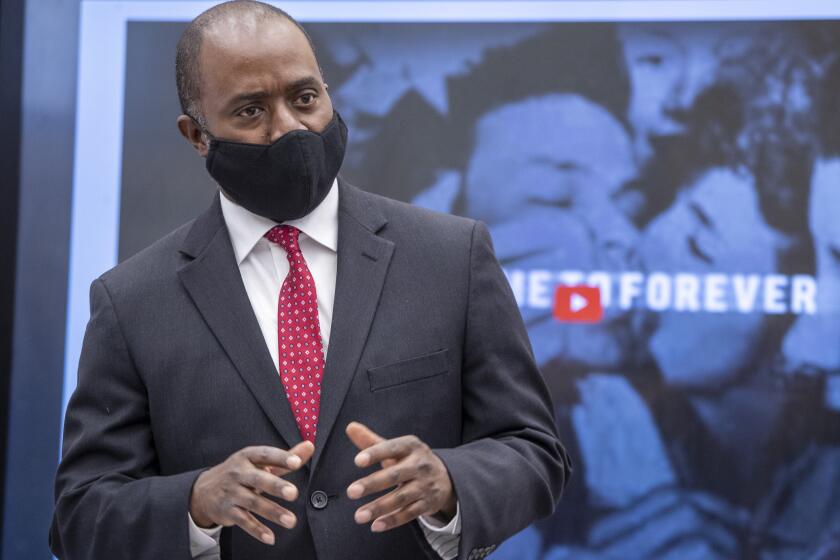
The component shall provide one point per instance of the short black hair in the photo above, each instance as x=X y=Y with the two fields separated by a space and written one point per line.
x=582 y=59
x=187 y=71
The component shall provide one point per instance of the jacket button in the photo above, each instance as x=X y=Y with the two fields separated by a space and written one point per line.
x=319 y=499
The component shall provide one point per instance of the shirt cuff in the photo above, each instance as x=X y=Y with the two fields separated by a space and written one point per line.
x=202 y=540
x=436 y=526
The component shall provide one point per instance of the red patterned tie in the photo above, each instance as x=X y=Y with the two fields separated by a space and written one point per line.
x=299 y=334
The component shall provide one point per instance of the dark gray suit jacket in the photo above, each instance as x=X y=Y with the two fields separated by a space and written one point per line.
x=175 y=376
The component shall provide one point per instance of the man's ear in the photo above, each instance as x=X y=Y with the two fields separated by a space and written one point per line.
x=190 y=130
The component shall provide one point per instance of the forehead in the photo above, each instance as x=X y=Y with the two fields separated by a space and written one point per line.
x=246 y=51
x=555 y=123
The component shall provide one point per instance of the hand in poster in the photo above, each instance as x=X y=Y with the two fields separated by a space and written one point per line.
x=555 y=241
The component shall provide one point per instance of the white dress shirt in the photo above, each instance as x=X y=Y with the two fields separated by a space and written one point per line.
x=264 y=267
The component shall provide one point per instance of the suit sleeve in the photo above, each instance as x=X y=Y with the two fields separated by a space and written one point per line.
x=111 y=501
x=511 y=468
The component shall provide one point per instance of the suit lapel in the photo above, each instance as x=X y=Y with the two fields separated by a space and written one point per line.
x=363 y=259
x=213 y=281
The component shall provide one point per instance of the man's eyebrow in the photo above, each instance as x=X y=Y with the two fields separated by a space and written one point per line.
x=303 y=83
x=244 y=97
x=297 y=85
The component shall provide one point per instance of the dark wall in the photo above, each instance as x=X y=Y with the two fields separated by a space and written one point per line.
x=11 y=54
x=46 y=113
x=152 y=204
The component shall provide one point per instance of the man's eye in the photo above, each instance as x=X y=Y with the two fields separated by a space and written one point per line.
x=306 y=99
x=250 y=112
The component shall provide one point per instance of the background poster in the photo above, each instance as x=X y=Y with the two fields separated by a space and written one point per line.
x=688 y=171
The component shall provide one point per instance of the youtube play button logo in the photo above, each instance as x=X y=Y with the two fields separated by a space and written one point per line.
x=578 y=304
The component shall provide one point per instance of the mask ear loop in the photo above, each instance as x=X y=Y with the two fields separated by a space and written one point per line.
x=208 y=136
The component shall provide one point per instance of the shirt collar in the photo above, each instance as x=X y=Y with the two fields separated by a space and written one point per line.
x=247 y=228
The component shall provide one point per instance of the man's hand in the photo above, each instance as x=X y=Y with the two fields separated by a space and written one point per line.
x=422 y=481
x=230 y=493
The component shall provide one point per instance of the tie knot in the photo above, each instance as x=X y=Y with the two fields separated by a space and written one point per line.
x=286 y=237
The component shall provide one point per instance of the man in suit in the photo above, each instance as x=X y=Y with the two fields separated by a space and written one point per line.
x=306 y=370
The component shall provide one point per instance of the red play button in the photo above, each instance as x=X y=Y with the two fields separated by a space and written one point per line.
x=578 y=304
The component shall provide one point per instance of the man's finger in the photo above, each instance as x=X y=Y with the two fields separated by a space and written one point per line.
x=362 y=436
x=263 y=455
x=250 y=525
x=389 y=503
x=304 y=450
x=254 y=503
x=381 y=480
x=270 y=483
x=401 y=517
x=280 y=462
x=396 y=448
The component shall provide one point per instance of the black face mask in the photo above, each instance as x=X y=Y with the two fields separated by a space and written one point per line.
x=284 y=180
